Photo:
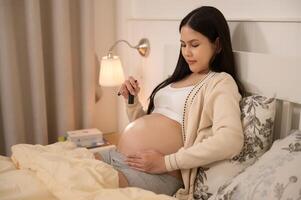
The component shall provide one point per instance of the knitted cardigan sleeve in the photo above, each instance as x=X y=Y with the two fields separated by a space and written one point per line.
x=226 y=135
x=135 y=110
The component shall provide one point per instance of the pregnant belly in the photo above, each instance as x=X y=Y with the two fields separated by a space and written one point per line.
x=153 y=131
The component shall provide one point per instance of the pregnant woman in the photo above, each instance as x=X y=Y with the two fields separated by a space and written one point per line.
x=193 y=117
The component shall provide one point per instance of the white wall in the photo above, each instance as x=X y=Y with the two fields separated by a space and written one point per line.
x=270 y=27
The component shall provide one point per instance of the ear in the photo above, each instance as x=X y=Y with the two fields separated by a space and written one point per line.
x=218 y=46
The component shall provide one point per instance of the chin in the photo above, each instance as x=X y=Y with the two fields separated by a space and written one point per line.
x=195 y=69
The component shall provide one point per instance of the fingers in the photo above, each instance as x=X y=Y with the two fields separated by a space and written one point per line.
x=130 y=86
x=123 y=91
x=133 y=82
x=136 y=163
x=139 y=169
x=134 y=160
x=149 y=161
x=134 y=156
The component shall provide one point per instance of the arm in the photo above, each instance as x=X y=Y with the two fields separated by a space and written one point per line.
x=227 y=135
x=135 y=110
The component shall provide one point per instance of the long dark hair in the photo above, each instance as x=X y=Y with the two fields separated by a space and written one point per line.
x=211 y=23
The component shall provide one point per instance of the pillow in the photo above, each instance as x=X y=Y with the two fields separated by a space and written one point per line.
x=276 y=175
x=257 y=116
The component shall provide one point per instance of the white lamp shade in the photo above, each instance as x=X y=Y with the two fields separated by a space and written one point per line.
x=111 y=72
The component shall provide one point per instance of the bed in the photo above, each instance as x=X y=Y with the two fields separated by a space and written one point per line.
x=269 y=164
x=61 y=171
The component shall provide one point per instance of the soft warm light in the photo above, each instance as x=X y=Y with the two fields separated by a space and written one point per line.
x=111 y=72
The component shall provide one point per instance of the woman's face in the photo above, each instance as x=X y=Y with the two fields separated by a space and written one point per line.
x=196 y=49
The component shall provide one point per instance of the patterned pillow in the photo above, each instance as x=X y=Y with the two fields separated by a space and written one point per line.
x=257 y=115
x=276 y=175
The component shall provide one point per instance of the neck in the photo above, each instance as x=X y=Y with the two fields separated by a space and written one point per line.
x=200 y=74
x=196 y=77
x=205 y=71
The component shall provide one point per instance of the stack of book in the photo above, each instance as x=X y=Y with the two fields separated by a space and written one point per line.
x=88 y=138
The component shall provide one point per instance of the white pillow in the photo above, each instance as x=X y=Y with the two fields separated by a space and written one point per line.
x=276 y=175
x=257 y=115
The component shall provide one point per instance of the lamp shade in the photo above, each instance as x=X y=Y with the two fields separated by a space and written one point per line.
x=111 y=72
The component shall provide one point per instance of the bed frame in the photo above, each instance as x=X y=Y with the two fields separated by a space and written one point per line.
x=274 y=76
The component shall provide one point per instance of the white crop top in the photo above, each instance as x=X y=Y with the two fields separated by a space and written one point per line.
x=170 y=102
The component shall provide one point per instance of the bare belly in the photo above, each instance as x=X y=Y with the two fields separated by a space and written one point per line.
x=153 y=131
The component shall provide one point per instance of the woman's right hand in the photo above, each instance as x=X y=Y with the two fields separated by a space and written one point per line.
x=131 y=86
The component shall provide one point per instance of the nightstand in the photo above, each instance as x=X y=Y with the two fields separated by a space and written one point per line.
x=111 y=138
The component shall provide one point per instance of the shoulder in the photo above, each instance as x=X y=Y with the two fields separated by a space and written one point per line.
x=222 y=82
x=221 y=77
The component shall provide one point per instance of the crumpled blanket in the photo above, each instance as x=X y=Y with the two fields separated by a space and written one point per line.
x=72 y=173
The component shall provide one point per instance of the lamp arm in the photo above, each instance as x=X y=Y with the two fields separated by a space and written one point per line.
x=118 y=41
x=143 y=47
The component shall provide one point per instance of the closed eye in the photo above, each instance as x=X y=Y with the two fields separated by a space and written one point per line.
x=192 y=45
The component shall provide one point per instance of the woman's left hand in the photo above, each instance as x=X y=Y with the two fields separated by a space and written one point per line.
x=149 y=161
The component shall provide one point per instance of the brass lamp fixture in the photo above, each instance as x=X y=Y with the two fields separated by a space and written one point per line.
x=111 y=72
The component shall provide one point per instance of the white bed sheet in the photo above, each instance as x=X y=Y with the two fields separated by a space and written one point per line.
x=61 y=171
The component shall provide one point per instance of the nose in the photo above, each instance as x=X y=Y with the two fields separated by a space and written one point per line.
x=186 y=52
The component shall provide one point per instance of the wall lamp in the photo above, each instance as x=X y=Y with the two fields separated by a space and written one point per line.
x=111 y=72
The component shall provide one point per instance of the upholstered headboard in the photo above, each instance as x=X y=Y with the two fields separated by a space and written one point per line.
x=274 y=76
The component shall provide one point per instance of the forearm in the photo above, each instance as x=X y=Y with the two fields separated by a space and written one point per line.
x=135 y=110
x=219 y=147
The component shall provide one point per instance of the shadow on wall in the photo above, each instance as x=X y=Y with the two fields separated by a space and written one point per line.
x=2 y=144
x=247 y=36
x=97 y=70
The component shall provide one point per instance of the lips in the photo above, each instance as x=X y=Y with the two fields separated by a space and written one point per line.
x=190 y=62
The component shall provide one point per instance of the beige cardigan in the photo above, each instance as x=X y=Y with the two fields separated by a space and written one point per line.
x=211 y=128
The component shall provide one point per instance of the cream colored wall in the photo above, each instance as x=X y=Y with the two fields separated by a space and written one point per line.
x=106 y=107
x=273 y=29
